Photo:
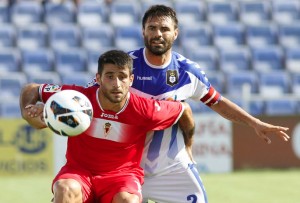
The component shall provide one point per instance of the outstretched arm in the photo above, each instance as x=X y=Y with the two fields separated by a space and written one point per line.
x=31 y=109
x=234 y=113
x=187 y=125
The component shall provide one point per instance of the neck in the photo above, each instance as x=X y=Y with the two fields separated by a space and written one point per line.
x=158 y=60
x=108 y=105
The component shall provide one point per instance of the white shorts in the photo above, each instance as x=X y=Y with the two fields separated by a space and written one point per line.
x=183 y=187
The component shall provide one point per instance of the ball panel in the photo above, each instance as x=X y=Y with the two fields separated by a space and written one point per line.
x=57 y=109
x=69 y=120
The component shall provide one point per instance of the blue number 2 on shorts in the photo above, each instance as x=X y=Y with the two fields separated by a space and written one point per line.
x=192 y=198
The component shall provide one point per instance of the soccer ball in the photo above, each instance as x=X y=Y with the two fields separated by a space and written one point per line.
x=68 y=113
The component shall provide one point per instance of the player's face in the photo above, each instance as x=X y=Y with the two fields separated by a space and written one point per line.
x=114 y=83
x=159 y=34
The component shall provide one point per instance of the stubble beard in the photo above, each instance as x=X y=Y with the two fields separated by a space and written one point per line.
x=158 y=50
x=113 y=99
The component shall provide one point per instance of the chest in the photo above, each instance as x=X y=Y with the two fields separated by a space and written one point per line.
x=162 y=84
x=115 y=129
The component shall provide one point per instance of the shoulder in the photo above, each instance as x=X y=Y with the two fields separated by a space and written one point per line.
x=143 y=106
x=139 y=101
x=147 y=106
x=136 y=54
x=90 y=92
x=187 y=65
x=91 y=83
x=184 y=62
x=138 y=107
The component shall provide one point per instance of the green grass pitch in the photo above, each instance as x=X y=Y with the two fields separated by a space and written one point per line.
x=259 y=186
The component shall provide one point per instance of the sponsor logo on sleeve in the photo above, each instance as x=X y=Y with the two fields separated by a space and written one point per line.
x=52 y=88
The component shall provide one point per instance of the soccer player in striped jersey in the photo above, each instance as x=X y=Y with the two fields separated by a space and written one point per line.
x=162 y=74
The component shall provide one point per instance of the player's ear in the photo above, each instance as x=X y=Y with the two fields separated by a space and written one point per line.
x=176 y=32
x=131 y=79
x=98 y=78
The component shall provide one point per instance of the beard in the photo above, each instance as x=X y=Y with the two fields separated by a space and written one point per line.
x=158 y=50
x=114 y=99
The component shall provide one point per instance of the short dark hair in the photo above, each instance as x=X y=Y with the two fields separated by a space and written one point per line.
x=160 y=11
x=116 y=57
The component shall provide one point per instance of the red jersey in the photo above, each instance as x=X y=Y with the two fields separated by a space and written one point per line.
x=115 y=141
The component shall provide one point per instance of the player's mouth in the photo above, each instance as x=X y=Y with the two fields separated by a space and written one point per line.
x=116 y=93
x=157 y=42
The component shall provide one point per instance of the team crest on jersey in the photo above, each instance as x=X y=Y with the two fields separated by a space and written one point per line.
x=107 y=127
x=172 y=77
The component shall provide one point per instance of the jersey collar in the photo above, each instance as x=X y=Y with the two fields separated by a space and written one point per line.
x=154 y=66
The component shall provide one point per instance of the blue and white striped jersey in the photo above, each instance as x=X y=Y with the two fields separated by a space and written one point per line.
x=179 y=79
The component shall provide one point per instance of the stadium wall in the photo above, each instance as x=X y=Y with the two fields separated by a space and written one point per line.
x=24 y=150
x=220 y=146
x=251 y=152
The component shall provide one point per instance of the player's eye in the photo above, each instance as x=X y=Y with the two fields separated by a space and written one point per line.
x=110 y=77
x=165 y=29
x=151 y=28
x=122 y=77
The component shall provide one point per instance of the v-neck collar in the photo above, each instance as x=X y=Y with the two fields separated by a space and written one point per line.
x=121 y=110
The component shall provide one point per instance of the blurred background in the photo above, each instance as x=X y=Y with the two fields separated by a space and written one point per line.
x=254 y=42
x=249 y=49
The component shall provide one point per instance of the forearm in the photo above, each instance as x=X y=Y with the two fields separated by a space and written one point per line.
x=30 y=110
x=234 y=113
x=188 y=132
x=188 y=135
x=29 y=95
x=187 y=126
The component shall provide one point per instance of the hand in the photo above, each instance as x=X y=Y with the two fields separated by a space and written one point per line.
x=35 y=115
x=35 y=110
x=264 y=130
x=189 y=151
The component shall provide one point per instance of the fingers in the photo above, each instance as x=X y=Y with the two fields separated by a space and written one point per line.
x=29 y=106
x=270 y=127
x=33 y=110
x=266 y=139
x=265 y=129
x=282 y=128
x=284 y=136
x=281 y=134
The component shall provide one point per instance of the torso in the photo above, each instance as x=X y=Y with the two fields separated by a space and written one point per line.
x=115 y=140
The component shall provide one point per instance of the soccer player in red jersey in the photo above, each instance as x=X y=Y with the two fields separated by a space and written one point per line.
x=103 y=163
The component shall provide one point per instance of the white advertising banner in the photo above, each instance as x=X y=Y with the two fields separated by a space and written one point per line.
x=212 y=148
x=60 y=147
